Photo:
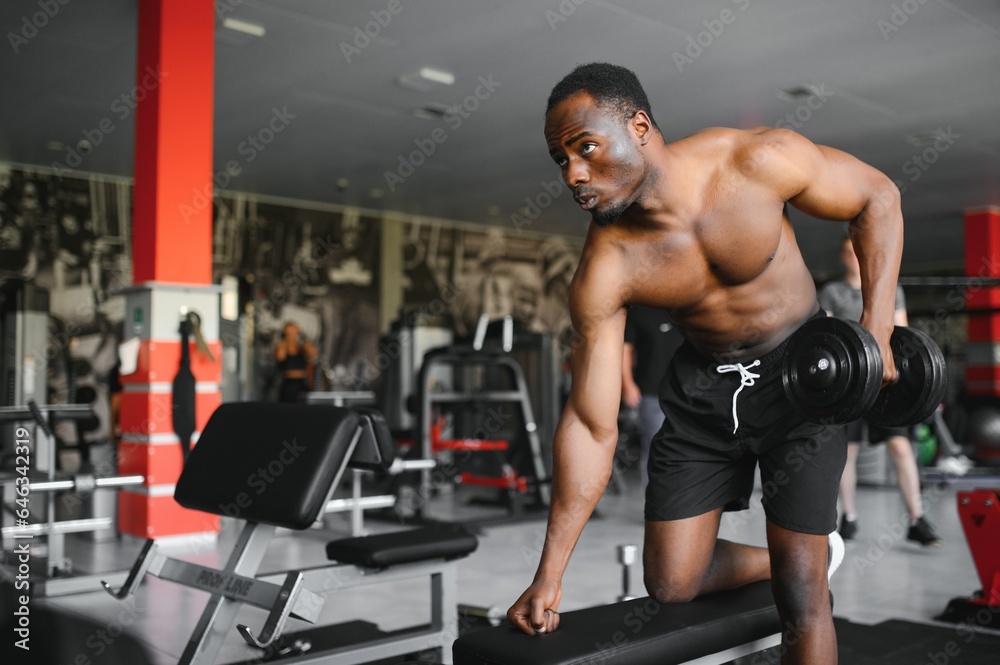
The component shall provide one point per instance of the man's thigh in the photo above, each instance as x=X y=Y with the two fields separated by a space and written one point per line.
x=677 y=552
x=800 y=479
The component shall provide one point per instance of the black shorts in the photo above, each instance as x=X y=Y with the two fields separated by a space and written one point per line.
x=697 y=463
x=875 y=434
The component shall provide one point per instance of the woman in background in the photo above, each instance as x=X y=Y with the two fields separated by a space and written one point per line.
x=295 y=356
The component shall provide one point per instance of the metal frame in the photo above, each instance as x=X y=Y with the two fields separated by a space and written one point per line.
x=45 y=482
x=742 y=650
x=443 y=628
x=296 y=594
x=459 y=356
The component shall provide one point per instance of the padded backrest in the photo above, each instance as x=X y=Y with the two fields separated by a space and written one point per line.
x=268 y=463
x=377 y=449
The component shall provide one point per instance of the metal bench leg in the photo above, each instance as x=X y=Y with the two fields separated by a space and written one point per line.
x=217 y=620
x=444 y=608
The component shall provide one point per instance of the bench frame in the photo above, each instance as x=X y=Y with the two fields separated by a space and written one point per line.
x=296 y=593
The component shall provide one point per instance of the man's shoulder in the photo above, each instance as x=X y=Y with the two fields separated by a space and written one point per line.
x=598 y=283
x=759 y=153
x=744 y=137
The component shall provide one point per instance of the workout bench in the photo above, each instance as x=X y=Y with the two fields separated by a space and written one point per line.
x=712 y=629
x=313 y=445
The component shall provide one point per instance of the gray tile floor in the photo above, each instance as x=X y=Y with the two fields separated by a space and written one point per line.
x=883 y=576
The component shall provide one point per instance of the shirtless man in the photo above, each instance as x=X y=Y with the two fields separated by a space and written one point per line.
x=700 y=229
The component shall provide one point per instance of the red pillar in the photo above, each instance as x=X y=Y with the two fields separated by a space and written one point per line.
x=172 y=228
x=172 y=258
x=982 y=259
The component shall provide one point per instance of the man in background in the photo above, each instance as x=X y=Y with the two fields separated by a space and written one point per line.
x=650 y=342
x=842 y=298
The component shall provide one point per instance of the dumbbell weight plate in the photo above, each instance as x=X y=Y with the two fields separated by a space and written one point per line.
x=921 y=384
x=832 y=370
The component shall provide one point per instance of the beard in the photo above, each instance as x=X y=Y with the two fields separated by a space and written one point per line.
x=608 y=216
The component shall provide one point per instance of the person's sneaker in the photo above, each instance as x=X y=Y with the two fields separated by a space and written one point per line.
x=922 y=532
x=835 y=548
x=848 y=528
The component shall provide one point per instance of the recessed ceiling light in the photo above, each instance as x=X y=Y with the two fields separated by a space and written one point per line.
x=920 y=139
x=244 y=27
x=431 y=111
x=426 y=79
x=796 y=93
x=436 y=75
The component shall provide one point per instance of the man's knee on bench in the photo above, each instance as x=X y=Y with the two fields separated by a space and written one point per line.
x=667 y=588
x=668 y=584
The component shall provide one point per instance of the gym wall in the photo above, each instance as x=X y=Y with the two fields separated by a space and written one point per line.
x=318 y=264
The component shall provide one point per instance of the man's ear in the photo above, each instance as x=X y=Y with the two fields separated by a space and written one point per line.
x=642 y=126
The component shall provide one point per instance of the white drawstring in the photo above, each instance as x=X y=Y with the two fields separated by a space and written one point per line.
x=746 y=379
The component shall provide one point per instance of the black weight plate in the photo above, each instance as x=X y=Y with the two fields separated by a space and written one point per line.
x=832 y=370
x=921 y=384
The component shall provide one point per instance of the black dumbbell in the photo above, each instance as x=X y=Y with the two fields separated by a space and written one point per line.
x=832 y=373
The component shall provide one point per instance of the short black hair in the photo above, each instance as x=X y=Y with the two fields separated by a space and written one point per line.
x=611 y=86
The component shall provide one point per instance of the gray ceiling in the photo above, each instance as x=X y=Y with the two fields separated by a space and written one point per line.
x=939 y=69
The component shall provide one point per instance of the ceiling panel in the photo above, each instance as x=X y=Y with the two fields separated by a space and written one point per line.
x=884 y=75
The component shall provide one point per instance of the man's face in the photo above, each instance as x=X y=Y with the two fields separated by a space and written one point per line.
x=597 y=154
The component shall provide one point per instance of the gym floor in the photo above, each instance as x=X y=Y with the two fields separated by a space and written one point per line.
x=883 y=575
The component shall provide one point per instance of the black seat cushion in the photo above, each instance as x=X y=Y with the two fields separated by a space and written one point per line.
x=267 y=463
x=636 y=632
x=389 y=549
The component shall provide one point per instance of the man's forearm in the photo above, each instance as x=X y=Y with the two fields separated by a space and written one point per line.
x=628 y=360
x=581 y=473
x=877 y=235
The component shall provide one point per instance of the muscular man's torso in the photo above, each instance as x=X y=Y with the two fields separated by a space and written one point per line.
x=725 y=266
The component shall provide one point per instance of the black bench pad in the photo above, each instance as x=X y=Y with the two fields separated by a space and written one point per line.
x=267 y=463
x=388 y=549
x=636 y=632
